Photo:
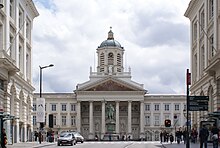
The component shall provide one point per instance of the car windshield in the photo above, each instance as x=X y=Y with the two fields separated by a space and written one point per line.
x=68 y=135
x=64 y=134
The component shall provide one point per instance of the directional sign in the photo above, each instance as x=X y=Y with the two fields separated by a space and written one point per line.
x=198 y=103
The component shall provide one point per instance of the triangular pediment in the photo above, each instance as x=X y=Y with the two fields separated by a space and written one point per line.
x=110 y=85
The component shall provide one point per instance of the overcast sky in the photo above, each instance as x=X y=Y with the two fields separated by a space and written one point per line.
x=154 y=34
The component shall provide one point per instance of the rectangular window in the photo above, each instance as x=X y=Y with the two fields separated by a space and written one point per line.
x=166 y=107
x=166 y=116
x=20 y=56
x=195 y=67
x=147 y=120
x=176 y=107
x=156 y=107
x=53 y=107
x=1 y=84
x=54 y=120
x=34 y=120
x=211 y=40
x=45 y=122
x=195 y=31
x=63 y=120
x=202 y=21
x=211 y=9
x=147 y=107
x=21 y=19
x=28 y=29
x=202 y=57
x=73 y=107
x=11 y=9
x=73 y=120
x=34 y=107
x=63 y=107
x=156 y=120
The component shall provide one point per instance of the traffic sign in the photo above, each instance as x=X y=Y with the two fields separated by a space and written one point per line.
x=198 y=103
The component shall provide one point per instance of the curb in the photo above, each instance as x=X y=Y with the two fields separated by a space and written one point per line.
x=45 y=145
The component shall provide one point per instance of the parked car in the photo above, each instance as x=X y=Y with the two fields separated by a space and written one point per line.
x=66 y=138
x=78 y=137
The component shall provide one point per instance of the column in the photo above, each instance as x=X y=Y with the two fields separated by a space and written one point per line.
x=25 y=132
x=103 y=119
x=91 y=120
x=142 y=119
x=129 y=118
x=78 y=116
x=117 y=118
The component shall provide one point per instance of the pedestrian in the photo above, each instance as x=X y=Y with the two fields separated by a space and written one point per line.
x=203 y=135
x=40 y=137
x=215 y=135
x=171 y=138
x=3 y=139
x=161 y=136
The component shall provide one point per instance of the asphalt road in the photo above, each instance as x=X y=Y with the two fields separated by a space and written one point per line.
x=113 y=145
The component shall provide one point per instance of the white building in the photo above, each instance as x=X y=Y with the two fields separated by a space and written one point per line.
x=137 y=113
x=205 y=53
x=16 y=90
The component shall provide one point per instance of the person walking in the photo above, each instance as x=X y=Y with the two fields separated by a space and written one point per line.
x=40 y=137
x=215 y=135
x=3 y=139
x=203 y=135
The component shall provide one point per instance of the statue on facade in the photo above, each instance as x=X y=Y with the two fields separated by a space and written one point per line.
x=110 y=111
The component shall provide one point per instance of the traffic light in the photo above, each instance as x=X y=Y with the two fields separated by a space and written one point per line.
x=167 y=123
x=50 y=120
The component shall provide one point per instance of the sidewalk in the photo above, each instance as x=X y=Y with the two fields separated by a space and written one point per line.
x=182 y=145
x=30 y=145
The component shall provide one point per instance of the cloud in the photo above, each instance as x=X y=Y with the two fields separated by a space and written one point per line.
x=153 y=33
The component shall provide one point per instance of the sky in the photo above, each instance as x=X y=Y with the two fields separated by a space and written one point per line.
x=154 y=34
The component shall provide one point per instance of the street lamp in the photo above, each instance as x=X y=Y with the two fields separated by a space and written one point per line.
x=51 y=65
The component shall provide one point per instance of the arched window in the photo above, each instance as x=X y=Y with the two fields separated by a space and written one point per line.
x=119 y=63
x=110 y=59
x=102 y=62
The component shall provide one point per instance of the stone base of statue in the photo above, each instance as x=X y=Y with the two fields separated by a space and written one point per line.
x=110 y=134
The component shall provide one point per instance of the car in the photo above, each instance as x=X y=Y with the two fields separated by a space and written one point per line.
x=78 y=137
x=66 y=138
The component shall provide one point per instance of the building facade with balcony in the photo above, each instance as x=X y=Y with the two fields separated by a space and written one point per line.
x=16 y=90
x=204 y=16
x=135 y=112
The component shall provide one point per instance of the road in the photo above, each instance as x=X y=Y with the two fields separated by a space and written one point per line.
x=113 y=145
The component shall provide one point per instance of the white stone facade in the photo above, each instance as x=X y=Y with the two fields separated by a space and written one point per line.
x=16 y=92
x=205 y=54
x=136 y=113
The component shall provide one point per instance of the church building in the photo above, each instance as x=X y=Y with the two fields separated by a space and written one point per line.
x=111 y=103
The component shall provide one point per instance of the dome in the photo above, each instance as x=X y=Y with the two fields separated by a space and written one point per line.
x=112 y=43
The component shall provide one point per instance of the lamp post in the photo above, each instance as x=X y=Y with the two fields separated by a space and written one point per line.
x=51 y=65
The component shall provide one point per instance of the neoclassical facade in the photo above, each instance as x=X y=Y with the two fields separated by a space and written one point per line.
x=16 y=90
x=205 y=54
x=136 y=113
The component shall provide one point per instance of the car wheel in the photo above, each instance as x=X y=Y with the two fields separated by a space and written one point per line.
x=71 y=143
x=81 y=141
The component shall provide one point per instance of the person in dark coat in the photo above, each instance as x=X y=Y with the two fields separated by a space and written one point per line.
x=171 y=138
x=215 y=135
x=203 y=135
x=3 y=139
